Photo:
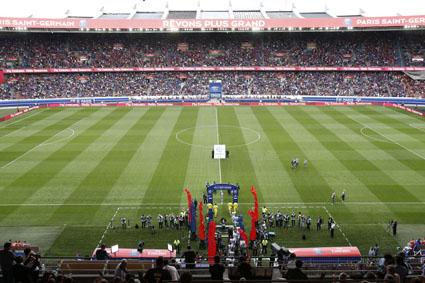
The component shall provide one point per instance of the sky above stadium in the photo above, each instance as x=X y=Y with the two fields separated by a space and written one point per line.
x=94 y=8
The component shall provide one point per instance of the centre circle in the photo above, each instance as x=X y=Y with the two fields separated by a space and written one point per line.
x=211 y=134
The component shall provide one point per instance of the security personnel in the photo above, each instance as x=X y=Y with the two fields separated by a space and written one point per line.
x=177 y=246
x=230 y=207
x=235 y=207
x=215 y=208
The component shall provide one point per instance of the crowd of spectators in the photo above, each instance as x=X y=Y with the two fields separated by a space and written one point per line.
x=159 y=50
x=186 y=85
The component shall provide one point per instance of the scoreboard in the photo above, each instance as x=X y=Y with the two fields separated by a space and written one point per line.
x=216 y=88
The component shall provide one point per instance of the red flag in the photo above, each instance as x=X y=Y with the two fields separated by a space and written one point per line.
x=201 y=232
x=253 y=233
x=256 y=212
x=189 y=203
x=1 y=77
x=212 y=245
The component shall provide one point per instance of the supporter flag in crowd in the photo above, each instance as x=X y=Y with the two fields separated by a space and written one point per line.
x=247 y=45
x=183 y=46
x=201 y=232
x=254 y=193
x=417 y=58
x=212 y=245
x=192 y=214
x=189 y=203
x=215 y=53
x=1 y=77
x=253 y=233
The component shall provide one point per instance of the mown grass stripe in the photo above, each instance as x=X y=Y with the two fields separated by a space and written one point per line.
x=362 y=118
x=130 y=188
x=168 y=180
x=309 y=184
x=60 y=162
x=98 y=183
x=201 y=167
x=17 y=149
x=359 y=165
x=239 y=167
x=404 y=166
x=272 y=176
x=20 y=189
x=328 y=165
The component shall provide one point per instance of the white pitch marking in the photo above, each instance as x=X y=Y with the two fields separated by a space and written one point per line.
x=107 y=228
x=373 y=138
x=40 y=145
x=218 y=142
x=338 y=226
x=258 y=138
x=393 y=141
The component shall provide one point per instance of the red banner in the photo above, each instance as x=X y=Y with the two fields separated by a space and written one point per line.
x=1 y=77
x=212 y=245
x=189 y=204
x=214 y=69
x=201 y=232
x=212 y=24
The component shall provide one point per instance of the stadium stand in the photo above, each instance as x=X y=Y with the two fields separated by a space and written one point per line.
x=181 y=15
x=214 y=14
x=188 y=84
x=281 y=14
x=148 y=15
x=248 y=15
x=315 y=15
x=114 y=16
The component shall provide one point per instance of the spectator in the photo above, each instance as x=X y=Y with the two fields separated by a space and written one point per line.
x=32 y=261
x=21 y=273
x=217 y=269
x=189 y=258
x=158 y=273
x=102 y=254
x=7 y=260
x=245 y=269
x=401 y=268
x=121 y=270
x=172 y=270
x=186 y=277
x=296 y=274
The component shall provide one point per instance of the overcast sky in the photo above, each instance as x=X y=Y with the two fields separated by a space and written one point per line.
x=58 y=8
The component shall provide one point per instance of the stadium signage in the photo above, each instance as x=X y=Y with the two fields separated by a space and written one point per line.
x=211 y=24
x=213 y=69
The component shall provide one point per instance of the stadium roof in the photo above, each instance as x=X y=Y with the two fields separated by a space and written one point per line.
x=129 y=8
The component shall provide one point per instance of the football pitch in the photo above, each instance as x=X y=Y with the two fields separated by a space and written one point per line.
x=66 y=173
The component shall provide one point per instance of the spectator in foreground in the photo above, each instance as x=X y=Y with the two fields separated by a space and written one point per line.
x=21 y=273
x=172 y=269
x=245 y=269
x=186 y=277
x=296 y=274
x=158 y=273
x=7 y=260
x=102 y=254
x=189 y=258
x=121 y=270
x=217 y=269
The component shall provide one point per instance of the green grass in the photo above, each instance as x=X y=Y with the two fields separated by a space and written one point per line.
x=66 y=172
